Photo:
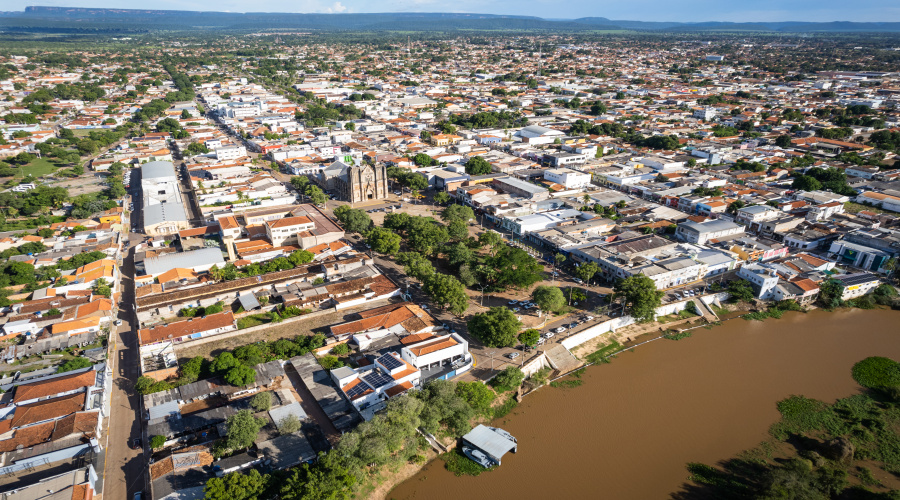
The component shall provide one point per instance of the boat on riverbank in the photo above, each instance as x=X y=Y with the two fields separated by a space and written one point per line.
x=478 y=456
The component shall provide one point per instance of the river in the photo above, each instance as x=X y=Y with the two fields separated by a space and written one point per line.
x=629 y=430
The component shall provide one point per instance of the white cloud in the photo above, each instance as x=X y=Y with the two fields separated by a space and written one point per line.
x=336 y=8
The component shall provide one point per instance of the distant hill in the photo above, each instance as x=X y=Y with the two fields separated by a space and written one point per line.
x=91 y=20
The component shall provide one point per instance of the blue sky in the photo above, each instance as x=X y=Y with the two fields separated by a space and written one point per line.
x=643 y=10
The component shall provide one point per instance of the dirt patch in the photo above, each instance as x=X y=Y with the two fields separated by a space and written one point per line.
x=388 y=480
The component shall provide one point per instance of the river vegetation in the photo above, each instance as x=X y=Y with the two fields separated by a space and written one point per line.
x=846 y=450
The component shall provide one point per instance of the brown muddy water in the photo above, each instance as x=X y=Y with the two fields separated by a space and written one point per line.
x=629 y=430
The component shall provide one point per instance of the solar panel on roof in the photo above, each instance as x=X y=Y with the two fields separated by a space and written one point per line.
x=390 y=362
x=357 y=390
x=377 y=379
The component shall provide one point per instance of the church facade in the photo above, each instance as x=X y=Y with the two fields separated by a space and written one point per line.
x=355 y=183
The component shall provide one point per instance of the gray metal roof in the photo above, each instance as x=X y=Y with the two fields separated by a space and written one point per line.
x=190 y=259
x=164 y=410
x=164 y=212
x=281 y=412
x=709 y=226
x=489 y=442
x=156 y=169
x=248 y=301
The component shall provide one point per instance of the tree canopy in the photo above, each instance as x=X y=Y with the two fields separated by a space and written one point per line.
x=640 y=295
x=497 y=327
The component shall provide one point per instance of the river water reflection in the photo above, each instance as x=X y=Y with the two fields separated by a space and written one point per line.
x=629 y=430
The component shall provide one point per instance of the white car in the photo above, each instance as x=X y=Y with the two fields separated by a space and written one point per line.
x=588 y=318
x=516 y=309
x=512 y=355
x=540 y=342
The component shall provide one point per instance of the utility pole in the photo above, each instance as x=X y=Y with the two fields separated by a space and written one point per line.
x=492 y=360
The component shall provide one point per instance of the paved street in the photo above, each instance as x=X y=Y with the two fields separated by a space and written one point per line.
x=124 y=468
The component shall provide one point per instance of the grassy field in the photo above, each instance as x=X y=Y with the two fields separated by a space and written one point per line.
x=37 y=168
x=853 y=208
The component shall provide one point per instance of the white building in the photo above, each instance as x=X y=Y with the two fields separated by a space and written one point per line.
x=369 y=387
x=570 y=179
x=763 y=279
x=230 y=152
x=701 y=232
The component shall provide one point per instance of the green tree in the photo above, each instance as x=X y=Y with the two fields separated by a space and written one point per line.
x=530 y=337
x=353 y=219
x=460 y=254
x=101 y=287
x=830 y=293
x=477 y=165
x=383 y=240
x=222 y=363
x=329 y=479
x=241 y=429
x=490 y=239
x=458 y=230
x=548 y=298
x=191 y=370
x=289 y=424
x=316 y=195
x=478 y=395
x=261 y=401
x=515 y=268
x=447 y=292
x=157 y=442
x=240 y=375
x=806 y=183
x=587 y=270
x=237 y=486
x=496 y=328
x=457 y=213
x=300 y=257
x=640 y=295
x=415 y=265
x=741 y=290
x=783 y=141
x=735 y=206
x=441 y=197
x=509 y=379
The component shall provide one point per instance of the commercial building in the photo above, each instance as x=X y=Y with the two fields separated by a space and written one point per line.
x=163 y=208
x=701 y=232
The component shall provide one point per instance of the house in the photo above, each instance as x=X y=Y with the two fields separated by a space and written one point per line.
x=885 y=201
x=764 y=279
x=436 y=355
x=193 y=328
x=369 y=387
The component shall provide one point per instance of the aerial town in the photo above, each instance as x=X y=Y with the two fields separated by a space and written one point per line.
x=236 y=270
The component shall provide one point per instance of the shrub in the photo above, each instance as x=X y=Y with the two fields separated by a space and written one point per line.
x=340 y=349
x=74 y=364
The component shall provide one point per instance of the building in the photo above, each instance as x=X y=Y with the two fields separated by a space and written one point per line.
x=857 y=285
x=369 y=387
x=568 y=178
x=355 y=183
x=521 y=188
x=163 y=208
x=230 y=153
x=882 y=200
x=284 y=231
x=763 y=279
x=701 y=232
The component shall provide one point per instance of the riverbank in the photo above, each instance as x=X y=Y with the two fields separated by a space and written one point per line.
x=697 y=400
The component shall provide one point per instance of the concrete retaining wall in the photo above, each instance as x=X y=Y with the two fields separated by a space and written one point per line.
x=616 y=323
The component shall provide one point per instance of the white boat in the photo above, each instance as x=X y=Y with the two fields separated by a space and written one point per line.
x=478 y=457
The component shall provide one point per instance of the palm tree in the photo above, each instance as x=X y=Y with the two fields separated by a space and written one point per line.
x=586 y=198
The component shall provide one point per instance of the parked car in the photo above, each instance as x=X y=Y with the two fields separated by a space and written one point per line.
x=578 y=281
x=588 y=318
x=512 y=355
x=136 y=444
x=118 y=322
x=561 y=329
x=513 y=302
x=516 y=309
x=540 y=342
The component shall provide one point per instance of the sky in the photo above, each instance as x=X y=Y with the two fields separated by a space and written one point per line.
x=641 y=10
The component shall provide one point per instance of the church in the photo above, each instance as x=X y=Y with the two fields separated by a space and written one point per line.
x=354 y=183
